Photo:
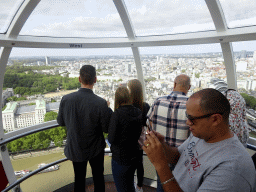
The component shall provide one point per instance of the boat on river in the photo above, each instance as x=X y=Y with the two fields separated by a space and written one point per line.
x=49 y=169
x=21 y=173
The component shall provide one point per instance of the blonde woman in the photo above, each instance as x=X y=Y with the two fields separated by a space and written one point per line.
x=124 y=131
x=137 y=100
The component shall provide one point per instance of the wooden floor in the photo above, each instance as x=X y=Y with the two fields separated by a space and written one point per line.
x=109 y=187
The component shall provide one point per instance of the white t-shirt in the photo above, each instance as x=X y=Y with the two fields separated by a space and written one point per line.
x=220 y=166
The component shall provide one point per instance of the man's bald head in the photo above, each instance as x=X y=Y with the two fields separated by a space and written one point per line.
x=182 y=83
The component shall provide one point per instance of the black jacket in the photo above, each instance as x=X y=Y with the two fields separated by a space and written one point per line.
x=124 y=131
x=145 y=110
x=86 y=117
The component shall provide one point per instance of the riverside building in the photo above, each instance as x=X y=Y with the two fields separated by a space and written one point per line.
x=16 y=116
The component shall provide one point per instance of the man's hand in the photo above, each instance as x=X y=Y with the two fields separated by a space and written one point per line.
x=154 y=150
x=159 y=136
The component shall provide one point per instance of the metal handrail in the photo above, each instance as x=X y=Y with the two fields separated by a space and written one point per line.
x=252 y=147
x=32 y=173
x=107 y=150
x=3 y=142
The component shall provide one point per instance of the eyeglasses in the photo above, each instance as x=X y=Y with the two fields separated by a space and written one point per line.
x=191 y=118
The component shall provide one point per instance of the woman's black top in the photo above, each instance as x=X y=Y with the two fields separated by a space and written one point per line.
x=124 y=131
x=145 y=110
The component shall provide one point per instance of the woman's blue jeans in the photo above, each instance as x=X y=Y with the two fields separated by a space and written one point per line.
x=124 y=176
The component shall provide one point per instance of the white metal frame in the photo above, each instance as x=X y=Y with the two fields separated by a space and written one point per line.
x=206 y=37
x=122 y=10
x=221 y=26
x=222 y=35
x=19 y=20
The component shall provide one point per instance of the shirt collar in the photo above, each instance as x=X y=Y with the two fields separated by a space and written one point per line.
x=85 y=90
x=177 y=92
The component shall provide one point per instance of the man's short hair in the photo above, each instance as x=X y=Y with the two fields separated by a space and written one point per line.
x=213 y=101
x=87 y=74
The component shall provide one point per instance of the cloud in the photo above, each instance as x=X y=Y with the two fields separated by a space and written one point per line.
x=100 y=18
x=148 y=17
x=109 y=26
x=239 y=13
x=7 y=9
x=169 y=14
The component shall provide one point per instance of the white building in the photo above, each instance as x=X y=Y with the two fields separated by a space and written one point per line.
x=129 y=68
x=254 y=57
x=47 y=60
x=16 y=116
x=74 y=74
x=241 y=66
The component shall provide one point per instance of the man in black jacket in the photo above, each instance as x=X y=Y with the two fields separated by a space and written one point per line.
x=86 y=117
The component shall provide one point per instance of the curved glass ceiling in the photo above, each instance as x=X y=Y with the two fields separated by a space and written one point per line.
x=76 y=18
x=239 y=13
x=99 y=18
x=151 y=17
x=8 y=9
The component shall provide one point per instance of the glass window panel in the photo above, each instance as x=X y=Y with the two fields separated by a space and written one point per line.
x=162 y=64
x=245 y=61
x=112 y=70
x=150 y=17
x=8 y=10
x=91 y=18
x=51 y=66
x=56 y=177
x=239 y=13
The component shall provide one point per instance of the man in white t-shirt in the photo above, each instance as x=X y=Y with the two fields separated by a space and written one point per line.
x=212 y=158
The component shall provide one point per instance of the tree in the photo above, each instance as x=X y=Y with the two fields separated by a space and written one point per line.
x=28 y=142
x=50 y=88
x=42 y=140
x=15 y=145
x=56 y=134
x=21 y=90
x=13 y=98
x=150 y=79
x=250 y=100
x=49 y=116
x=21 y=98
x=197 y=75
x=4 y=108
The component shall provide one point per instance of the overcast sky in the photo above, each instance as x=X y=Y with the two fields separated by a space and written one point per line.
x=99 y=18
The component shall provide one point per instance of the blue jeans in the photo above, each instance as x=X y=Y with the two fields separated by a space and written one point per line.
x=124 y=176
